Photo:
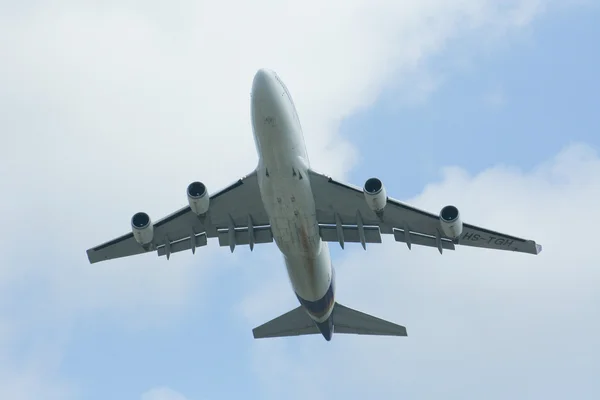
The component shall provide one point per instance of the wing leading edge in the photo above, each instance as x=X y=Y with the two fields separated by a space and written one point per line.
x=236 y=216
x=342 y=209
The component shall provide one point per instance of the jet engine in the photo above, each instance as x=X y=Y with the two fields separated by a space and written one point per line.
x=143 y=230
x=375 y=194
x=450 y=222
x=198 y=198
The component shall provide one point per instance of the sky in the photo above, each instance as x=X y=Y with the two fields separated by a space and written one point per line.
x=109 y=108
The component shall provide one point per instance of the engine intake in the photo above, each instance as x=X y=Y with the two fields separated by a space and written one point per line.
x=198 y=198
x=375 y=194
x=143 y=230
x=450 y=222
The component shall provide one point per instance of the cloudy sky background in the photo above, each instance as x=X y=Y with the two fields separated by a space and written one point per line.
x=108 y=108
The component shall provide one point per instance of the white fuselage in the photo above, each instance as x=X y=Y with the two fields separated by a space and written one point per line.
x=287 y=195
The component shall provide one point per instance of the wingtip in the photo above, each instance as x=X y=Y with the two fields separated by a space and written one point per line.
x=89 y=253
x=538 y=248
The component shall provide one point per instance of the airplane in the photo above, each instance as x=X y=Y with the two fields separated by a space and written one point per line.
x=284 y=200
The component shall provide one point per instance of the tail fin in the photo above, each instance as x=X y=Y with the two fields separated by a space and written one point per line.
x=345 y=321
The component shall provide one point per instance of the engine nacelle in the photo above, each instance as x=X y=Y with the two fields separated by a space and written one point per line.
x=450 y=222
x=143 y=230
x=375 y=194
x=198 y=198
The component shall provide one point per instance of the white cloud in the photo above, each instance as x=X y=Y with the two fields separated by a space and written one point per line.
x=162 y=393
x=31 y=371
x=519 y=325
x=113 y=107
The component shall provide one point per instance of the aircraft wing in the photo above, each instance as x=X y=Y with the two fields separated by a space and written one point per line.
x=236 y=216
x=342 y=213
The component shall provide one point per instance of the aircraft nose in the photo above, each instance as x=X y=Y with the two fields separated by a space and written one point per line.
x=264 y=83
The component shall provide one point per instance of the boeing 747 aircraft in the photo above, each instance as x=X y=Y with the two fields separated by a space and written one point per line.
x=286 y=201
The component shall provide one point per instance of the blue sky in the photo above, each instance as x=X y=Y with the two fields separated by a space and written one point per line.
x=126 y=105
x=517 y=103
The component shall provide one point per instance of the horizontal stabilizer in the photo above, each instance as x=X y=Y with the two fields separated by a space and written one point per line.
x=347 y=320
x=293 y=323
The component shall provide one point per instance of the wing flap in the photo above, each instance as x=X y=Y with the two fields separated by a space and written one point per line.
x=262 y=234
x=349 y=321
x=350 y=234
x=200 y=240
x=293 y=323
x=422 y=240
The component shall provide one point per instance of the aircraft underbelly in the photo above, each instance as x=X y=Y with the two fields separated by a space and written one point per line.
x=290 y=205
x=291 y=209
